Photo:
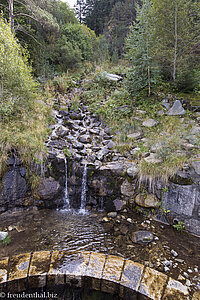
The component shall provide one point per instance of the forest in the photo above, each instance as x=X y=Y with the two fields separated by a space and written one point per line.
x=46 y=47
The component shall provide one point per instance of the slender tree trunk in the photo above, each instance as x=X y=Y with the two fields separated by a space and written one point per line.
x=175 y=43
x=11 y=16
x=149 y=81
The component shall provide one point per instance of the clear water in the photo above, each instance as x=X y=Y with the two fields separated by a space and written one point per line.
x=54 y=230
x=67 y=200
x=83 y=190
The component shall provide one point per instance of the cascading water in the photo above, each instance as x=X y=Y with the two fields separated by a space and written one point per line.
x=83 y=190
x=66 y=199
x=101 y=203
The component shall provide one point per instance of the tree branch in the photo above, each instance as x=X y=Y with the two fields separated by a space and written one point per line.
x=21 y=28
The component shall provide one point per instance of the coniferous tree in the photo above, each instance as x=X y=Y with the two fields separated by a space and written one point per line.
x=139 y=45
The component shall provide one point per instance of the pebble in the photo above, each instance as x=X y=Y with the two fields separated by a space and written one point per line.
x=186 y=275
x=112 y=214
x=167 y=263
x=166 y=269
x=105 y=219
x=181 y=261
x=129 y=220
x=156 y=238
x=148 y=222
x=188 y=282
x=174 y=253
x=196 y=270
x=189 y=271
x=180 y=277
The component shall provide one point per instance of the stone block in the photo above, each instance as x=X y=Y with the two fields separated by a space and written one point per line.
x=73 y=265
x=56 y=272
x=39 y=268
x=176 y=290
x=196 y=295
x=18 y=270
x=152 y=284
x=112 y=274
x=95 y=269
x=132 y=275
x=3 y=273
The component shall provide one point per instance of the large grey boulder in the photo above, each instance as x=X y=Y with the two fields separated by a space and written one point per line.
x=142 y=237
x=102 y=153
x=128 y=189
x=61 y=131
x=86 y=138
x=133 y=170
x=13 y=188
x=148 y=200
x=176 y=110
x=196 y=166
x=115 y=167
x=48 y=189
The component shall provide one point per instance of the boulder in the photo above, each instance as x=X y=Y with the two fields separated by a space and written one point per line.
x=196 y=166
x=113 y=77
x=61 y=131
x=48 y=189
x=153 y=159
x=110 y=145
x=114 y=167
x=182 y=178
x=119 y=204
x=142 y=237
x=176 y=110
x=85 y=138
x=128 y=189
x=135 y=135
x=148 y=200
x=195 y=130
x=150 y=123
x=165 y=103
x=13 y=187
x=3 y=235
x=132 y=171
x=102 y=153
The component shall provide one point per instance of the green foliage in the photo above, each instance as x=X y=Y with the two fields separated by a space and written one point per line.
x=76 y=44
x=176 y=28
x=179 y=226
x=24 y=119
x=67 y=152
x=15 y=74
x=6 y=241
x=139 y=45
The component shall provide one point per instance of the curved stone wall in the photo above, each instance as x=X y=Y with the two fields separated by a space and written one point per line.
x=111 y=274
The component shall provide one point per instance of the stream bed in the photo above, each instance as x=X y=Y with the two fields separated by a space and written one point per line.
x=175 y=253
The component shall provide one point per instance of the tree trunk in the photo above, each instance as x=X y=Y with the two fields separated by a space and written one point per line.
x=11 y=16
x=175 y=43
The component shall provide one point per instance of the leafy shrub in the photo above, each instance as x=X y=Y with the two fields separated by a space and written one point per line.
x=76 y=44
x=15 y=74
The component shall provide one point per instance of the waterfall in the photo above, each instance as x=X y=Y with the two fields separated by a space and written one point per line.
x=83 y=190
x=101 y=203
x=66 y=199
